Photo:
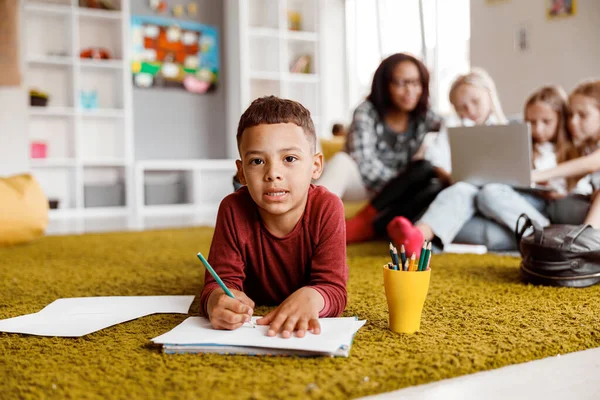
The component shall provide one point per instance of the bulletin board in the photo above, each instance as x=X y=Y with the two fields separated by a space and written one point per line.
x=170 y=53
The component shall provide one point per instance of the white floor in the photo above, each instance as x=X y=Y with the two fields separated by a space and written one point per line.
x=575 y=376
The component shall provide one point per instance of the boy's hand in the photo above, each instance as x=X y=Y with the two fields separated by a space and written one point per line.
x=227 y=313
x=299 y=313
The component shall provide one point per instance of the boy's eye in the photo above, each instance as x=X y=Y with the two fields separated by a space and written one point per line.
x=256 y=161
x=290 y=159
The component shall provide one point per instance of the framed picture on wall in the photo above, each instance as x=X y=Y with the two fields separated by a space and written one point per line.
x=168 y=53
x=561 y=8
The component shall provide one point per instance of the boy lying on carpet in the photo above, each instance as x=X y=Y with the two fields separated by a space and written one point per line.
x=279 y=240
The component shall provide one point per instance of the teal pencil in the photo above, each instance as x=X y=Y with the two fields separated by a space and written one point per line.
x=422 y=257
x=214 y=275
x=428 y=260
x=218 y=279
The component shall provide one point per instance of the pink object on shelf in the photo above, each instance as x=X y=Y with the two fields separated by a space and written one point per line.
x=38 y=149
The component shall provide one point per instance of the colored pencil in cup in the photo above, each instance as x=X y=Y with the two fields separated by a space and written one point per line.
x=411 y=264
x=428 y=259
x=403 y=254
x=393 y=254
x=218 y=279
x=420 y=266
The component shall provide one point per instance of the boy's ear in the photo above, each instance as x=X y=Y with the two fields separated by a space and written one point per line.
x=317 y=166
x=240 y=172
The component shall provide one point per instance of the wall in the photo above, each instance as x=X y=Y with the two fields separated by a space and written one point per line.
x=172 y=123
x=561 y=51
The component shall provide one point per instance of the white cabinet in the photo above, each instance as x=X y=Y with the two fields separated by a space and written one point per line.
x=81 y=141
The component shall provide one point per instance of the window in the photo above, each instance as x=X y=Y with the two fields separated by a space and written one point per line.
x=378 y=28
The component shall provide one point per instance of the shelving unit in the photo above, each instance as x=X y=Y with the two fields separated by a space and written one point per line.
x=262 y=48
x=202 y=186
x=86 y=148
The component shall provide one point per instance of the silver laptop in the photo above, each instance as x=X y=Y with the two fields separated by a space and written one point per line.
x=492 y=154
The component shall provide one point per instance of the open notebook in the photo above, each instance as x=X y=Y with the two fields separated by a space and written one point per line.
x=196 y=335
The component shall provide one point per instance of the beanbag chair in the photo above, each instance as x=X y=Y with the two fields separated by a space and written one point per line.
x=23 y=210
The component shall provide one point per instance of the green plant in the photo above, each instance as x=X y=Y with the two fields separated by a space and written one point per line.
x=38 y=93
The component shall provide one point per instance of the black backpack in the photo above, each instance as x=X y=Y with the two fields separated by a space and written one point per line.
x=559 y=255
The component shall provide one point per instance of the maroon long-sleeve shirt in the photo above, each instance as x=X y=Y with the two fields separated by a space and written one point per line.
x=267 y=268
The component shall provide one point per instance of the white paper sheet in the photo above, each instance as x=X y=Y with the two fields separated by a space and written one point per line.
x=75 y=317
x=335 y=333
x=465 y=248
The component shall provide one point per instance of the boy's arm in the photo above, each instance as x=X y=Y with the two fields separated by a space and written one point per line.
x=579 y=166
x=360 y=145
x=325 y=295
x=225 y=256
x=329 y=272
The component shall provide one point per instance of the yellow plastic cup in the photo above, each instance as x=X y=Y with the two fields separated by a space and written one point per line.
x=405 y=292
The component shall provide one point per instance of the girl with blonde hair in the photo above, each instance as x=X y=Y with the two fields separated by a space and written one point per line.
x=475 y=100
x=582 y=165
x=545 y=110
x=474 y=95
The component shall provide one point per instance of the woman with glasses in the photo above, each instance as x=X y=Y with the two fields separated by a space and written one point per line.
x=407 y=198
x=387 y=130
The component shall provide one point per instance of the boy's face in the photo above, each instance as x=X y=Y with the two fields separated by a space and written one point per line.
x=277 y=164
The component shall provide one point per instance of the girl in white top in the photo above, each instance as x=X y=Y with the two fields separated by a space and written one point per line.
x=475 y=100
x=546 y=112
x=582 y=169
x=455 y=206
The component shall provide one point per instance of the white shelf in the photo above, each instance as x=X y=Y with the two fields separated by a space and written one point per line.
x=169 y=210
x=51 y=111
x=264 y=32
x=44 y=8
x=52 y=162
x=300 y=35
x=102 y=113
x=92 y=13
x=105 y=163
x=51 y=60
x=101 y=64
x=183 y=165
x=265 y=75
x=264 y=48
x=302 y=78
x=105 y=212
x=62 y=213
x=94 y=145
x=91 y=212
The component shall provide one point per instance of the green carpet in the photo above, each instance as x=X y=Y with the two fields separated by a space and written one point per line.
x=478 y=316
